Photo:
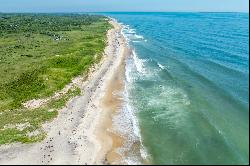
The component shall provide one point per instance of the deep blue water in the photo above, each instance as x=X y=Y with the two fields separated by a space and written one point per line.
x=188 y=85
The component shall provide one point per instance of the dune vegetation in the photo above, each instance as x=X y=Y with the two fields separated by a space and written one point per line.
x=40 y=54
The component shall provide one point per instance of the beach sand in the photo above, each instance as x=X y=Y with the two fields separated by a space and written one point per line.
x=81 y=132
x=111 y=102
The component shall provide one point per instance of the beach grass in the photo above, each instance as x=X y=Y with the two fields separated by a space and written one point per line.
x=40 y=54
x=24 y=125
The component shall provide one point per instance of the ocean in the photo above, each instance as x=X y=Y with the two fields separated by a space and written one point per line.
x=187 y=87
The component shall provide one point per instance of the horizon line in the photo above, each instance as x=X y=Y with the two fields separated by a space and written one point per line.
x=125 y=12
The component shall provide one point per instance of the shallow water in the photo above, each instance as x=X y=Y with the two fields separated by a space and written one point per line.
x=187 y=85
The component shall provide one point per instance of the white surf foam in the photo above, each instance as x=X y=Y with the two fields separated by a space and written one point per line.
x=125 y=121
x=131 y=31
x=131 y=35
x=139 y=36
x=138 y=63
x=160 y=65
x=136 y=41
x=129 y=78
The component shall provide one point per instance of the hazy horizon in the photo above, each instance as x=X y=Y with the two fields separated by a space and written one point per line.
x=66 y=6
x=69 y=12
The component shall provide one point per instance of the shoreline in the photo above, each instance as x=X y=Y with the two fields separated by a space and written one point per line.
x=73 y=137
x=111 y=102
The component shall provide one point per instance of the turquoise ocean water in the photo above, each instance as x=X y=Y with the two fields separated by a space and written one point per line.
x=187 y=86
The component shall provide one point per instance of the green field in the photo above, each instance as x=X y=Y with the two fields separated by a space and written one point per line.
x=39 y=55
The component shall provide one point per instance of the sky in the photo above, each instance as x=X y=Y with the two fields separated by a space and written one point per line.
x=123 y=5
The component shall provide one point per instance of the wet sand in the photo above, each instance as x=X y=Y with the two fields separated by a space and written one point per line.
x=111 y=102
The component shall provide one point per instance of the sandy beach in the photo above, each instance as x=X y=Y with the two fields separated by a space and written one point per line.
x=81 y=132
